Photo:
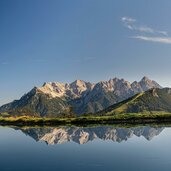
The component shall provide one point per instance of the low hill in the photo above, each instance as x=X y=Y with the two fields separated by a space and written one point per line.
x=152 y=101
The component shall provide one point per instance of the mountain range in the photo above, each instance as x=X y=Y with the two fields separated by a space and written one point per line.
x=83 y=135
x=56 y=99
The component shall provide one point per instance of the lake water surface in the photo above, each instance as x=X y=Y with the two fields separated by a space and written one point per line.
x=102 y=148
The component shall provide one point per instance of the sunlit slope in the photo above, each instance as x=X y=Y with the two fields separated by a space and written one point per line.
x=151 y=101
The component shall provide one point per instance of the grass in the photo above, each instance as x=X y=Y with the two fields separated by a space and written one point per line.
x=131 y=118
x=122 y=106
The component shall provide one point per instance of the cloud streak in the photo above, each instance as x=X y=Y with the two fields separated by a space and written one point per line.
x=131 y=24
x=166 y=40
x=149 y=34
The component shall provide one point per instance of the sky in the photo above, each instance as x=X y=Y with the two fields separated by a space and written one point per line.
x=91 y=40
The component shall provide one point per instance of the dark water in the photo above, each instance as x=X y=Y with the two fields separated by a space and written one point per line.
x=85 y=149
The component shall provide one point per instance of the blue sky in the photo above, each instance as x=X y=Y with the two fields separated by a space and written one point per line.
x=57 y=40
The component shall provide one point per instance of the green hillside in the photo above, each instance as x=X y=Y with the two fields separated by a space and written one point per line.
x=151 y=101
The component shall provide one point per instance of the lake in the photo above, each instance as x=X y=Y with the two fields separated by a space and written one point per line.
x=102 y=148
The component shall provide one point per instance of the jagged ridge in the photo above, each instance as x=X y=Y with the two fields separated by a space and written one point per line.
x=56 y=99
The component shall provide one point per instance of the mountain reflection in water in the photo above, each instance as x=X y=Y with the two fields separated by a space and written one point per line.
x=82 y=135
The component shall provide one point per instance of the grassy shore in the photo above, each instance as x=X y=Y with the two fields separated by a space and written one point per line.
x=132 y=118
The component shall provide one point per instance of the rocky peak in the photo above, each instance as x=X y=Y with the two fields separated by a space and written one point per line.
x=145 y=79
x=114 y=80
x=147 y=84
x=78 y=82
x=135 y=83
x=78 y=87
x=55 y=89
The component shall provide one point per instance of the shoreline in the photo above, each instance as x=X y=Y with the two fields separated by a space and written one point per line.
x=128 y=119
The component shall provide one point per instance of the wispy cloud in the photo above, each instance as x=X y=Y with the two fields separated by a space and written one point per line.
x=154 y=35
x=132 y=24
x=128 y=20
x=166 y=40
